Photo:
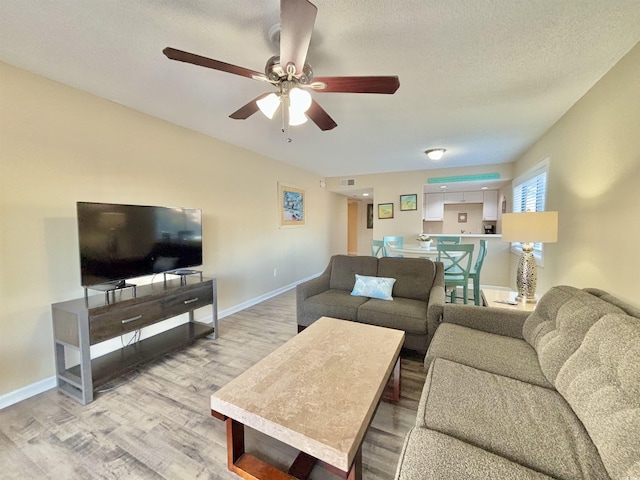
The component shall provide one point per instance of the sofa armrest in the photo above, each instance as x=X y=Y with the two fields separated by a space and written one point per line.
x=312 y=287
x=500 y=321
x=308 y=289
x=435 y=306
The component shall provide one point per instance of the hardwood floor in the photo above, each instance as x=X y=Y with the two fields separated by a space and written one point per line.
x=156 y=422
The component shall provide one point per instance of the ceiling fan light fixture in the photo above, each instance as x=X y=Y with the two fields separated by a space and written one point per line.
x=269 y=105
x=300 y=99
x=435 y=153
x=296 y=117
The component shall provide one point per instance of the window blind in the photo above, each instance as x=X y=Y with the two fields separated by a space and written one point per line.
x=530 y=194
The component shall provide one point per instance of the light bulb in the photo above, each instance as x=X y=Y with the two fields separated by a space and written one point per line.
x=436 y=153
x=269 y=104
x=300 y=99
x=296 y=117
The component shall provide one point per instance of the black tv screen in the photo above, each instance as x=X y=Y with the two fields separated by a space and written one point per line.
x=119 y=242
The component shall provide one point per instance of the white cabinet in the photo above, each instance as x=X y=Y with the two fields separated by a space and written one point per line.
x=463 y=197
x=434 y=203
x=434 y=207
x=454 y=197
x=473 y=197
x=490 y=205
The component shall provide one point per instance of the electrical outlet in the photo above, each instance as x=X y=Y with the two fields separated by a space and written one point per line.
x=275 y=272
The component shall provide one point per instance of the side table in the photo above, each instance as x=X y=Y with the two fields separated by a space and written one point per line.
x=504 y=298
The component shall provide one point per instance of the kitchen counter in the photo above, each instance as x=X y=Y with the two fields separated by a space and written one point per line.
x=466 y=235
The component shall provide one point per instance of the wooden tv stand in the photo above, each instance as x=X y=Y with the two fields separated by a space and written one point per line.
x=80 y=323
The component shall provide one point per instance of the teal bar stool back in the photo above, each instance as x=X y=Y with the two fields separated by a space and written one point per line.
x=457 y=267
x=475 y=272
x=396 y=241
x=449 y=240
x=377 y=248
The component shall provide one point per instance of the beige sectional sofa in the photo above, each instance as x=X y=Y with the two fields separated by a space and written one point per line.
x=511 y=395
x=418 y=296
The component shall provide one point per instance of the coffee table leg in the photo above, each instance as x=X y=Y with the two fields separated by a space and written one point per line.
x=394 y=394
x=249 y=467
x=302 y=466
x=235 y=442
x=355 y=473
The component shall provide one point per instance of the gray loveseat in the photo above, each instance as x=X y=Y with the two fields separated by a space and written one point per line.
x=418 y=296
x=551 y=394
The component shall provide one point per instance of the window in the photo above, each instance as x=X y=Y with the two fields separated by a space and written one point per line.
x=530 y=195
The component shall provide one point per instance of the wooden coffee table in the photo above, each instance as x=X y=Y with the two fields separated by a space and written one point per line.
x=317 y=393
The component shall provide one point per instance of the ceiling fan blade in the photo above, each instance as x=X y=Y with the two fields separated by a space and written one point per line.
x=386 y=85
x=247 y=110
x=321 y=118
x=194 y=59
x=297 y=18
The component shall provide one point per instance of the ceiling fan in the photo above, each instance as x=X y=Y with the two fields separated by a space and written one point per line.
x=290 y=73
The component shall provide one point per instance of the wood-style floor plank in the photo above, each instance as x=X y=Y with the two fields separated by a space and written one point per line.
x=156 y=422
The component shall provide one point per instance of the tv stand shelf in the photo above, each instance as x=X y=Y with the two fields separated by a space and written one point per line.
x=80 y=323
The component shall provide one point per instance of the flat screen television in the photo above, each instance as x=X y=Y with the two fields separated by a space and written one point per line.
x=119 y=242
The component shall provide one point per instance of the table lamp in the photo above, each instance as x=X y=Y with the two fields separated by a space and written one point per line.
x=529 y=228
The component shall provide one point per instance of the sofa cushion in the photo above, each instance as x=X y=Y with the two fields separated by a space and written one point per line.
x=558 y=325
x=402 y=314
x=414 y=276
x=428 y=454
x=345 y=267
x=334 y=303
x=601 y=382
x=607 y=297
x=508 y=356
x=373 y=287
x=527 y=424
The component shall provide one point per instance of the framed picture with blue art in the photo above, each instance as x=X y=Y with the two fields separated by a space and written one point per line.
x=291 y=206
x=408 y=202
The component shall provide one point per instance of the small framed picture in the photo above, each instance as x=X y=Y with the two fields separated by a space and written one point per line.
x=462 y=217
x=409 y=202
x=385 y=210
x=369 y=215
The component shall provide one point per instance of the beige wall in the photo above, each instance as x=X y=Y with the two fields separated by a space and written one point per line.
x=594 y=182
x=59 y=145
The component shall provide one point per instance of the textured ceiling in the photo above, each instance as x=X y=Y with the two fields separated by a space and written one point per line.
x=482 y=78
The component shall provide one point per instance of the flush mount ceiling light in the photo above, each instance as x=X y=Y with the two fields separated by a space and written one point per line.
x=435 y=153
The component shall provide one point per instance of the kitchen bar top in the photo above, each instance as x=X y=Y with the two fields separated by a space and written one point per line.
x=466 y=235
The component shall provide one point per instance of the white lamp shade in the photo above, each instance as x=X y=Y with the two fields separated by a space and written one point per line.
x=300 y=99
x=530 y=227
x=269 y=105
x=296 y=117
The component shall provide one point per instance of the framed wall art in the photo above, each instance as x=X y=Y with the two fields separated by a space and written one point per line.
x=291 y=206
x=409 y=202
x=385 y=210
x=369 y=215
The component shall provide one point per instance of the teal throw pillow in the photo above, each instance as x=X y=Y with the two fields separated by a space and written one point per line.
x=373 y=287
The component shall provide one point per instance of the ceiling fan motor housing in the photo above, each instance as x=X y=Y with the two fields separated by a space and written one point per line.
x=277 y=73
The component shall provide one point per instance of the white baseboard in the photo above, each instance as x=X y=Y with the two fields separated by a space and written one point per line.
x=48 y=383
x=27 y=392
x=254 y=301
